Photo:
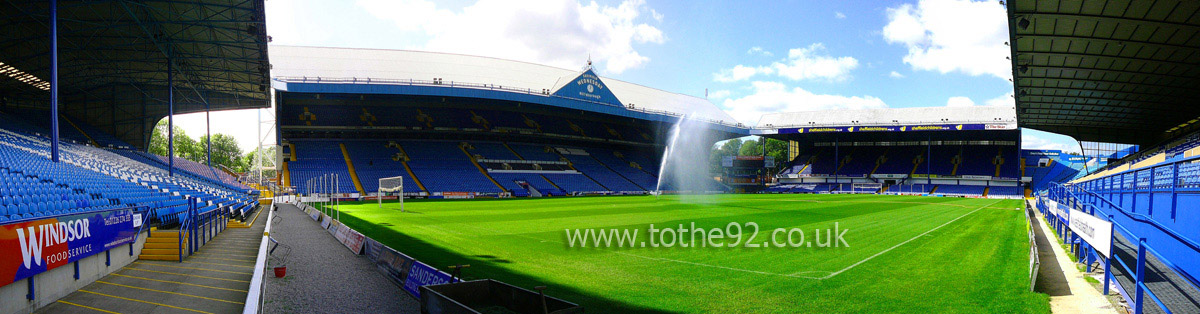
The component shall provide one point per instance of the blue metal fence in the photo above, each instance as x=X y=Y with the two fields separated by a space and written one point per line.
x=1151 y=235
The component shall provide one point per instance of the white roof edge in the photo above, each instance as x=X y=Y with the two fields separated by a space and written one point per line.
x=891 y=116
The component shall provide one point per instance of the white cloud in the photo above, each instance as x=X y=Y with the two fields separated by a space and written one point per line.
x=959 y=101
x=896 y=75
x=773 y=97
x=839 y=15
x=740 y=72
x=657 y=16
x=756 y=50
x=804 y=63
x=518 y=30
x=719 y=94
x=801 y=64
x=1005 y=100
x=952 y=36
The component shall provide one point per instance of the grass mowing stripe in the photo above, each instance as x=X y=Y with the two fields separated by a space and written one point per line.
x=902 y=243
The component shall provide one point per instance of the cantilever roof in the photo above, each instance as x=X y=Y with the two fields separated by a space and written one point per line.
x=113 y=58
x=344 y=63
x=1111 y=71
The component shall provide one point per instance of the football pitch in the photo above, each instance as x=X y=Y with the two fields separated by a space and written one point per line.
x=895 y=254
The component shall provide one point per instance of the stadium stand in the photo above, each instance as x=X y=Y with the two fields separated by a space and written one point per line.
x=445 y=167
x=374 y=160
x=315 y=158
x=622 y=167
x=99 y=179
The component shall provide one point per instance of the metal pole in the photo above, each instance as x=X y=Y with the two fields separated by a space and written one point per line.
x=1108 y=259
x=762 y=173
x=338 y=181
x=258 y=158
x=170 y=119
x=208 y=136
x=1141 y=277
x=323 y=189
x=53 y=82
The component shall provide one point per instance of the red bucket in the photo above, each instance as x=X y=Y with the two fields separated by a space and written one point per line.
x=280 y=272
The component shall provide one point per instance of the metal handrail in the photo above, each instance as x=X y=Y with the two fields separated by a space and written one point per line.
x=1061 y=193
x=148 y=212
x=1139 y=217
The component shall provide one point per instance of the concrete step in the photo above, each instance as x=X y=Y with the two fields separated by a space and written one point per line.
x=164 y=245
x=170 y=251
x=172 y=238
x=159 y=257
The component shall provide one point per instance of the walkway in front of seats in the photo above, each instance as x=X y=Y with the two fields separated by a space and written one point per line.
x=1058 y=277
x=323 y=276
x=214 y=280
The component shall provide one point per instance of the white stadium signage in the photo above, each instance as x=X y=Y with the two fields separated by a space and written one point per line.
x=1096 y=231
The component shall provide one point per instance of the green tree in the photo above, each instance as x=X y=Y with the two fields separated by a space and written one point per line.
x=225 y=152
x=775 y=148
x=185 y=147
x=779 y=150
x=268 y=160
x=728 y=148
x=750 y=148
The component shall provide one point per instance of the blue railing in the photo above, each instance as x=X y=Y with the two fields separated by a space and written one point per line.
x=200 y=227
x=1076 y=197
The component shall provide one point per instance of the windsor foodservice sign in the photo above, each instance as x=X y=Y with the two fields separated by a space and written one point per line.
x=44 y=244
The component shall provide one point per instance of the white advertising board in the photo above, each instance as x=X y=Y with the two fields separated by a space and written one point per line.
x=1096 y=231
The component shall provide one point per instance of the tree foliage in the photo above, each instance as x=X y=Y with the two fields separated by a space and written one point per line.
x=268 y=161
x=750 y=147
x=225 y=151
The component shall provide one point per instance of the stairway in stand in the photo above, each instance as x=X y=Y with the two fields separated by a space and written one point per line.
x=163 y=245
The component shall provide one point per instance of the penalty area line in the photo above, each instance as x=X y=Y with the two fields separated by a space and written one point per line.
x=900 y=244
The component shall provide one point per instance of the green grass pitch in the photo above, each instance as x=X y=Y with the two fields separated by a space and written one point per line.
x=906 y=254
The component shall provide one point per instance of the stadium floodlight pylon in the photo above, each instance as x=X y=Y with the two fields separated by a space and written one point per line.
x=391 y=185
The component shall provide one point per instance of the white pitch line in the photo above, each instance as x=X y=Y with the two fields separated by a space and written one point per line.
x=901 y=243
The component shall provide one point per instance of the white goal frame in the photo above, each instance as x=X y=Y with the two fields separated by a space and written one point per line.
x=399 y=188
x=863 y=185
x=866 y=185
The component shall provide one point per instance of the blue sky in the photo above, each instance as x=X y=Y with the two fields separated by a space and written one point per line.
x=766 y=57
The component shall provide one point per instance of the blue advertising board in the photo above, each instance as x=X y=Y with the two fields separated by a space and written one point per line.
x=423 y=275
x=35 y=246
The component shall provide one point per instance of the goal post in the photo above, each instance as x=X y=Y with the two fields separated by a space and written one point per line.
x=391 y=185
x=873 y=187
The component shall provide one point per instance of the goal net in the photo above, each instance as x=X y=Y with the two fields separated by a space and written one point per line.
x=393 y=186
x=867 y=187
x=859 y=188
